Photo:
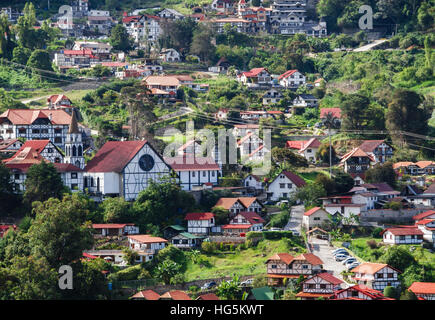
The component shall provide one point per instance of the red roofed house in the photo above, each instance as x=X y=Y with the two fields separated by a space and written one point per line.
x=236 y=205
x=194 y=171
x=200 y=222
x=10 y=146
x=284 y=185
x=376 y=275
x=124 y=168
x=320 y=285
x=146 y=295
x=75 y=58
x=357 y=161
x=284 y=265
x=146 y=245
x=291 y=79
x=423 y=290
x=256 y=77
x=175 y=295
x=32 y=124
x=115 y=229
x=378 y=149
x=55 y=101
x=402 y=236
x=45 y=148
x=306 y=148
x=208 y=296
x=359 y=292
x=4 y=228
x=314 y=217
x=424 y=215
x=244 y=221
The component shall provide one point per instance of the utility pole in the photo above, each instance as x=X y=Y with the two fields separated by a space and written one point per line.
x=330 y=153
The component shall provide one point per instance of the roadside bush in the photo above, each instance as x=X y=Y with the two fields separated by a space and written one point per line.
x=208 y=247
x=376 y=233
x=277 y=235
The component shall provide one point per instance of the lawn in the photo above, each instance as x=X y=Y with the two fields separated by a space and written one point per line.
x=245 y=262
x=310 y=175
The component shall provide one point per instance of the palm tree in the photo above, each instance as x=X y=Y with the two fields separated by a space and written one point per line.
x=330 y=122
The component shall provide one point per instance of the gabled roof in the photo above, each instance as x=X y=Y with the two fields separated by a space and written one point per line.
x=424 y=215
x=310 y=258
x=356 y=152
x=287 y=74
x=208 y=296
x=311 y=211
x=28 y=116
x=430 y=189
x=263 y=293
x=422 y=287
x=298 y=181
x=380 y=186
x=424 y=164
x=114 y=156
x=175 y=295
x=370 y=145
x=55 y=98
x=372 y=293
x=312 y=143
x=199 y=216
x=254 y=72
x=66 y=167
x=252 y=217
x=327 y=277
x=4 y=144
x=292 y=144
x=371 y=268
x=227 y=203
x=248 y=201
x=147 y=295
x=424 y=221
x=284 y=257
x=402 y=164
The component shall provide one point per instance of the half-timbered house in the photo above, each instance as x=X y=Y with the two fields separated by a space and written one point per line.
x=322 y=285
x=359 y=292
x=402 y=236
x=243 y=222
x=200 y=222
x=283 y=265
x=423 y=290
x=376 y=275
x=115 y=229
x=284 y=185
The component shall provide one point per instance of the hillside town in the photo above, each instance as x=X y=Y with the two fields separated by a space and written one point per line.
x=222 y=150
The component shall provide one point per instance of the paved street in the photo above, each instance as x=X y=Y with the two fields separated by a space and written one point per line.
x=296 y=218
x=322 y=249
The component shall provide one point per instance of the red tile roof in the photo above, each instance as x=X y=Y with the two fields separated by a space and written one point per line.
x=146 y=238
x=424 y=215
x=175 y=295
x=422 y=287
x=372 y=293
x=227 y=203
x=114 y=156
x=294 y=144
x=370 y=268
x=404 y=231
x=236 y=226
x=254 y=72
x=147 y=295
x=310 y=258
x=208 y=296
x=252 y=217
x=311 y=211
x=28 y=116
x=66 y=167
x=199 y=216
x=330 y=278
x=424 y=221
x=284 y=257
x=287 y=74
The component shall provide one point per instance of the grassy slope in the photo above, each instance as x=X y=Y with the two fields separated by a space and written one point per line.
x=246 y=262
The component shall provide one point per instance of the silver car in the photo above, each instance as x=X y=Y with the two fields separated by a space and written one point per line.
x=341 y=257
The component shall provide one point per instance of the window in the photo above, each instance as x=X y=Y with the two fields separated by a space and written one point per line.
x=316 y=218
x=273 y=266
x=57 y=130
x=204 y=173
x=323 y=286
x=22 y=130
x=282 y=185
x=35 y=130
x=17 y=176
x=58 y=140
x=73 y=175
x=304 y=266
x=193 y=174
x=289 y=185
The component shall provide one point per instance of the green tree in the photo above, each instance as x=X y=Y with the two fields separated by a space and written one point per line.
x=202 y=45
x=343 y=182
x=21 y=55
x=408 y=295
x=39 y=59
x=119 y=38
x=116 y=210
x=59 y=232
x=398 y=257
x=130 y=256
x=229 y=290
x=390 y=292
x=6 y=38
x=382 y=173
x=43 y=182
x=8 y=198
x=281 y=155
x=166 y=270
x=310 y=194
x=221 y=215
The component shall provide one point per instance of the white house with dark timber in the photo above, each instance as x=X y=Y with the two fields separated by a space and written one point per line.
x=402 y=235
x=200 y=222
x=376 y=275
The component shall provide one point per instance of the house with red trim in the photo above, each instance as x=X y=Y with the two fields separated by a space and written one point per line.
x=284 y=185
x=292 y=79
x=146 y=246
x=423 y=290
x=357 y=161
x=282 y=266
x=255 y=77
x=380 y=151
x=142 y=27
x=359 y=292
x=200 y=222
x=321 y=285
x=376 y=275
x=237 y=205
x=75 y=58
x=10 y=146
x=243 y=222
x=57 y=101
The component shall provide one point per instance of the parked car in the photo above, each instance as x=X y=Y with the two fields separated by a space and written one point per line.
x=339 y=251
x=349 y=261
x=343 y=253
x=352 y=265
x=340 y=257
x=208 y=285
x=275 y=229
x=247 y=283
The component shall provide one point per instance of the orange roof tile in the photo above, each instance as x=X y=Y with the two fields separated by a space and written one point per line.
x=422 y=287
x=146 y=238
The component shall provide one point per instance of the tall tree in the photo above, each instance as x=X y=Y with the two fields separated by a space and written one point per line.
x=43 y=182
x=120 y=39
x=39 y=59
x=8 y=198
x=202 y=45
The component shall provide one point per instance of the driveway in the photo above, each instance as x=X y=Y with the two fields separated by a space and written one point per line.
x=295 y=220
x=322 y=249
